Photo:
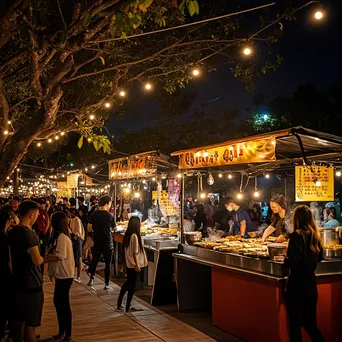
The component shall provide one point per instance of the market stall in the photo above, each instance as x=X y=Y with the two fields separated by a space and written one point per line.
x=237 y=279
x=146 y=185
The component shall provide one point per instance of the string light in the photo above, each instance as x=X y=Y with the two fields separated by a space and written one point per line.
x=56 y=137
x=86 y=169
x=230 y=176
x=50 y=141
x=202 y=195
x=107 y=105
x=122 y=93
x=9 y=122
x=148 y=86
x=256 y=194
x=338 y=173
x=220 y=175
x=62 y=133
x=154 y=179
x=318 y=15
x=127 y=190
x=318 y=183
x=267 y=175
x=93 y=167
x=247 y=51
x=92 y=117
x=137 y=195
x=195 y=72
x=6 y=132
x=179 y=175
x=39 y=144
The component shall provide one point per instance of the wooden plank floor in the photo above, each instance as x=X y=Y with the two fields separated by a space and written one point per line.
x=95 y=318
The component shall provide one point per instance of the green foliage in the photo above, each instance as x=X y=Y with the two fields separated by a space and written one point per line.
x=191 y=5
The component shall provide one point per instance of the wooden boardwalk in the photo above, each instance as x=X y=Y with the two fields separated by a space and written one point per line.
x=95 y=318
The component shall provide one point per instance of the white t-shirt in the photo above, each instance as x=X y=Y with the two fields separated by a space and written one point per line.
x=65 y=267
x=76 y=227
x=132 y=249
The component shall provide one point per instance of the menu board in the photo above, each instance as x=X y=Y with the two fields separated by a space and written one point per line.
x=165 y=204
x=256 y=151
x=307 y=189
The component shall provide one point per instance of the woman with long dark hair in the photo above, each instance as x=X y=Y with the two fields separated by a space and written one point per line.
x=278 y=226
x=304 y=252
x=61 y=272
x=135 y=258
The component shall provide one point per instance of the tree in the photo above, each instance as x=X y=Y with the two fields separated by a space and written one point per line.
x=308 y=107
x=61 y=61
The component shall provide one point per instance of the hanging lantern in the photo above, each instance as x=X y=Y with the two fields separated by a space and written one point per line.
x=210 y=179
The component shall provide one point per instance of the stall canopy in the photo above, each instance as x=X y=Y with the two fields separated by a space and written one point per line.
x=142 y=165
x=264 y=151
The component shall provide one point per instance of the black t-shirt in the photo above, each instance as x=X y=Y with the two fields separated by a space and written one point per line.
x=84 y=210
x=222 y=217
x=102 y=223
x=5 y=273
x=280 y=226
x=26 y=275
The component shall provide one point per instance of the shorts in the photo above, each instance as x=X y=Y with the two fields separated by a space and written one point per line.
x=77 y=248
x=28 y=307
x=89 y=243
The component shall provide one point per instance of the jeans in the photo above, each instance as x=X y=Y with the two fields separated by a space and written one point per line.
x=107 y=254
x=61 y=301
x=4 y=311
x=128 y=286
x=301 y=310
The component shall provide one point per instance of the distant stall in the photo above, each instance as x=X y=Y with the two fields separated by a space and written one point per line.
x=146 y=185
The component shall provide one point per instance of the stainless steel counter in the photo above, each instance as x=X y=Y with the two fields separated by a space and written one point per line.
x=262 y=268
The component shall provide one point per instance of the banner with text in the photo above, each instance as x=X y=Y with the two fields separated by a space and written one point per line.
x=315 y=183
x=256 y=151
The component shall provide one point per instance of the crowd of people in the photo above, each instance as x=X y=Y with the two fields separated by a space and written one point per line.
x=59 y=237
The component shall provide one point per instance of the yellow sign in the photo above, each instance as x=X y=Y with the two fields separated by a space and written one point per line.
x=165 y=204
x=256 y=151
x=72 y=181
x=315 y=183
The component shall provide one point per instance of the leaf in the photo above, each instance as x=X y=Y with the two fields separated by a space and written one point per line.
x=80 y=142
x=196 y=6
x=86 y=19
x=96 y=145
x=102 y=60
x=182 y=7
x=143 y=8
x=191 y=8
x=26 y=5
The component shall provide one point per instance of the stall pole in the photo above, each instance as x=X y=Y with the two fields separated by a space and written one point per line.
x=182 y=209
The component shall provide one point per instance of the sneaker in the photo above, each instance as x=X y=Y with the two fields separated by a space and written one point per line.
x=77 y=280
x=58 y=337
x=107 y=287
x=90 y=282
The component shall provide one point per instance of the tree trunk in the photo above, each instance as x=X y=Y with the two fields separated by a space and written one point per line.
x=16 y=183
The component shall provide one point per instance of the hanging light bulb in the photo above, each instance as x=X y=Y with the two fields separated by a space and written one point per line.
x=230 y=176
x=9 y=122
x=127 y=190
x=179 y=175
x=86 y=169
x=202 y=195
x=39 y=144
x=122 y=93
x=154 y=179
x=318 y=15
x=256 y=194
x=267 y=175
x=6 y=132
x=210 y=179
x=62 y=133
x=220 y=175
x=239 y=195
x=338 y=173
x=137 y=195
x=107 y=105
x=93 y=167
x=247 y=51
x=92 y=117
x=50 y=141
x=56 y=137
x=148 y=86
x=195 y=72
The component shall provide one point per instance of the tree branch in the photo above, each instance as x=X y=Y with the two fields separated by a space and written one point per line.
x=20 y=102
x=61 y=14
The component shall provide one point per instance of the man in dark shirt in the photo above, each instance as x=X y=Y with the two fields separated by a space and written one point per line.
x=241 y=219
x=83 y=210
x=25 y=260
x=102 y=223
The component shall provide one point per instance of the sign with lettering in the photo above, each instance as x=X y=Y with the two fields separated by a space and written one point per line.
x=314 y=183
x=142 y=165
x=256 y=151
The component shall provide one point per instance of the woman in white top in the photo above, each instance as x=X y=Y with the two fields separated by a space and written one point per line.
x=61 y=271
x=135 y=258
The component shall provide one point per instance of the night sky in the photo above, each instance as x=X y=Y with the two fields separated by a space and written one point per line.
x=312 y=52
